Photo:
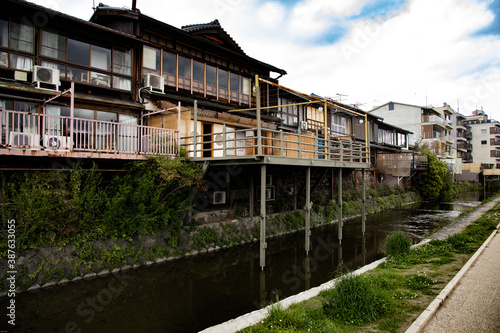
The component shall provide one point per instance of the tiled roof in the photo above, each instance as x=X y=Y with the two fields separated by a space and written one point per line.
x=215 y=24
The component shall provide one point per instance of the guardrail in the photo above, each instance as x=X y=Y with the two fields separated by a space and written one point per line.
x=50 y=132
x=247 y=142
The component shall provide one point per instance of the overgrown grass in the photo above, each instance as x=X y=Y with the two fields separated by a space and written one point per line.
x=358 y=300
x=398 y=245
x=388 y=298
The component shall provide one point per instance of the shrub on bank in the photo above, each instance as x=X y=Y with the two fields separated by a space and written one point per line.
x=397 y=244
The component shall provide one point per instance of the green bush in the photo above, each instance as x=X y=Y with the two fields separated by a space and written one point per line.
x=397 y=244
x=356 y=300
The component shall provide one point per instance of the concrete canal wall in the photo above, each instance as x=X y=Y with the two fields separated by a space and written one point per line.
x=51 y=266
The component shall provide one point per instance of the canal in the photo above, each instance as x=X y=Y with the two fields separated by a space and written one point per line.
x=188 y=295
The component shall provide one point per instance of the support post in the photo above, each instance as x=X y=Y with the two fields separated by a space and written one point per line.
x=195 y=129
x=72 y=111
x=308 y=210
x=363 y=206
x=251 y=195
x=263 y=244
x=257 y=111
x=340 y=204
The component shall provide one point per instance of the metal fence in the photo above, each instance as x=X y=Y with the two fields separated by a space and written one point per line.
x=50 y=132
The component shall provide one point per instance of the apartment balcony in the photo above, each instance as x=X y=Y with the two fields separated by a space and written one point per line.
x=42 y=135
x=435 y=120
x=257 y=145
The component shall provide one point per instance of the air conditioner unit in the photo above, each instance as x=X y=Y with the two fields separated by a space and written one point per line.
x=19 y=139
x=303 y=125
x=154 y=82
x=219 y=197
x=56 y=142
x=47 y=78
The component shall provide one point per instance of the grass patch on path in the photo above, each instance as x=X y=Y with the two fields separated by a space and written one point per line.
x=388 y=298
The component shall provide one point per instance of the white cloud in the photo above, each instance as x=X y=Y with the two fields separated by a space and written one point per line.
x=271 y=14
x=425 y=49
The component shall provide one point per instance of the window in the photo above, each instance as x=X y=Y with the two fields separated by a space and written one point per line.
x=20 y=62
x=198 y=76
x=211 y=81
x=391 y=106
x=339 y=124
x=483 y=131
x=151 y=60
x=223 y=83
x=122 y=61
x=53 y=45
x=4 y=33
x=483 y=142
x=169 y=68
x=245 y=90
x=21 y=37
x=78 y=52
x=290 y=113
x=100 y=58
x=234 y=86
x=184 y=73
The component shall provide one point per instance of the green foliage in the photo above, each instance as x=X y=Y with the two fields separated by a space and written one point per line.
x=357 y=300
x=437 y=183
x=397 y=244
x=330 y=211
x=205 y=236
x=420 y=282
x=55 y=207
x=283 y=203
x=294 y=221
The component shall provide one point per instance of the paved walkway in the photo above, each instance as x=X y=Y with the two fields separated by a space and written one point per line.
x=471 y=302
x=474 y=304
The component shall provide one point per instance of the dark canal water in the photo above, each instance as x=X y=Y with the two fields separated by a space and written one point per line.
x=188 y=295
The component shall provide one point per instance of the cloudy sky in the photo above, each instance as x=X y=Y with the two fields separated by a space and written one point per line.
x=422 y=52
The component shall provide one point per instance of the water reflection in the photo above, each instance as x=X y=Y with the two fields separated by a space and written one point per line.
x=188 y=295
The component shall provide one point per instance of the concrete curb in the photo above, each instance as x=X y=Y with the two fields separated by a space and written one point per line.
x=424 y=318
x=255 y=317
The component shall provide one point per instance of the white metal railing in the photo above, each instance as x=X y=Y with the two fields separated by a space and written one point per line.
x=246 y=142
x=41 y=131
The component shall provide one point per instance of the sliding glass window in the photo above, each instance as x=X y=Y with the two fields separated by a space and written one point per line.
x=184 y=73
x=169 y=68
x=198 y=77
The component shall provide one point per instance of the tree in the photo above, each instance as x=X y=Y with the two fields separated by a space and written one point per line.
x=437 y=183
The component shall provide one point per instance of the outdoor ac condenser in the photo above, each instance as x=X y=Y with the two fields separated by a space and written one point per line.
x=46 y=78
x=154 y=82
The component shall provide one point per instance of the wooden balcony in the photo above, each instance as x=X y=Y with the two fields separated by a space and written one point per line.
x=33 y=134
x=277 y=147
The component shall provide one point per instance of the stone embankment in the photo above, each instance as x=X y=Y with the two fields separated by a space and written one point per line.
x=50 y=266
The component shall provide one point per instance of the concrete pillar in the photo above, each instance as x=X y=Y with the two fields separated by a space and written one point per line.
x=263 y=244
x=308 y=210
x=340 y=204
x=251 y=195
x=363 y=205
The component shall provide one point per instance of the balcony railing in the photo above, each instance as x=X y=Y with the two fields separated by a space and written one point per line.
x=35 y=131
x=247 y=142
x=434 y=119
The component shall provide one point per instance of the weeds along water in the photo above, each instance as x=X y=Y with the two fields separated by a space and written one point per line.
x=389 y=298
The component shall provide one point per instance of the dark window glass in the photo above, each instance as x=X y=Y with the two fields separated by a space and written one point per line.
x=78 y=52
x=198 y=76
x=53 y=45
x=169 y=68
x=184 y=73
x=211 y=80
x=21 y=37
x=223 y=84
x=4 y=33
